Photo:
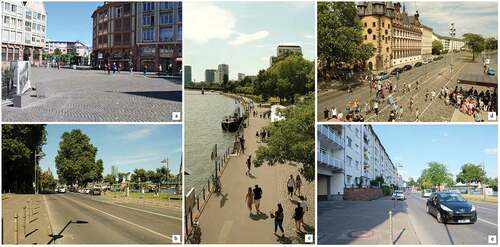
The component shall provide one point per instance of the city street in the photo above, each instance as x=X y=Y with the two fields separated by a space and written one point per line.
x=432 y=77
x=95 y=96
x=342 y=222
x=96 y=220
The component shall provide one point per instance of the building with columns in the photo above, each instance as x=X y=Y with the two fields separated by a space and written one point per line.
x=426 y=42
x=24 y=27
x=406 y=37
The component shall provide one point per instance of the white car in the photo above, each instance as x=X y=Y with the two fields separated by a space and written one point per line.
x=398 y=195
x=61 y=190
x=426 y=193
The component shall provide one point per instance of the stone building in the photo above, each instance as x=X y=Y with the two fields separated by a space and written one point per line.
x=426 y=42
x=406 y=37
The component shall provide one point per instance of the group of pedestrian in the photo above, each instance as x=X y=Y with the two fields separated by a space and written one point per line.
x=293 y=186
x=253 y=197
x=263 y=134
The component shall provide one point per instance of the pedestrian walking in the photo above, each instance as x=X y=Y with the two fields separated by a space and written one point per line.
x=298 y=217
x=114 y=68
x=119 y=67
x=298 y=185
x=249 y=199
x=159 y=69
x=249 y=165
x=108 y=66
x=257 y=196
x=242 y=144
x=290 y=184
x=375 y=107
x=145 y=69
x=278 y=219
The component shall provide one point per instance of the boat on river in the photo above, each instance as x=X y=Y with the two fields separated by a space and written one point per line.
x=232 y=122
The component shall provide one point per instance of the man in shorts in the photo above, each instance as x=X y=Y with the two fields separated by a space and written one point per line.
x=257 y=195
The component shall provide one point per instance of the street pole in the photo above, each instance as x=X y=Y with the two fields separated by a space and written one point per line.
x=452 y=36
x=390 y=227
x=36 y=192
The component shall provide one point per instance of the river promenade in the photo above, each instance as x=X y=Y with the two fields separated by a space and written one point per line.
x=226 y=218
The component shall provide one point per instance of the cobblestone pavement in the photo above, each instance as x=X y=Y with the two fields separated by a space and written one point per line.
x=432 y=76
x=95 y=96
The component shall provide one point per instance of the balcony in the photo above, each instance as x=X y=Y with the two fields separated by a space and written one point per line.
x=336 y=164
x=330 y=138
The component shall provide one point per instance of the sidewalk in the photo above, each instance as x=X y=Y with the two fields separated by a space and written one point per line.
x=364 y=223
x=38 y=227
x=226 y=218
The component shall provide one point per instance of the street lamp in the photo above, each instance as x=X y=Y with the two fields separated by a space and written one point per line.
x=452 y=36
x=34 y=184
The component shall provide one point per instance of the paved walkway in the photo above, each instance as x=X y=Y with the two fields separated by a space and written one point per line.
x=38 y=228
x=226 y=218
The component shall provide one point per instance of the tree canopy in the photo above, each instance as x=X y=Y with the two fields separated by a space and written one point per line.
x=340 y=37
x=471 y=173
x=19 y=144
x=292 y=139
x=75 y=160
x=437 y=47
x=435 y=174
x=475 y=42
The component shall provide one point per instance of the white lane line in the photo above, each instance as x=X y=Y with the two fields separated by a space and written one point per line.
x=487 y=221
x=489 y=209
x=48 y=214
x=124 y=220
x=140 y=210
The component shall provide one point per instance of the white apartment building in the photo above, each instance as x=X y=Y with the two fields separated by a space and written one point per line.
x=449 y=44
x=349 y=155
x=222 y=70
x=67 y=46
x=24 y=25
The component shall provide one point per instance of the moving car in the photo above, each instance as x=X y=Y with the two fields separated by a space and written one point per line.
x=490 y=71
x=418 y=64
x=396 y=70
x=382 y=76
x=95 y=192
x=426 y=193
x=406 y=67
x=61 y=189
x=398 y=195
x=451 y=207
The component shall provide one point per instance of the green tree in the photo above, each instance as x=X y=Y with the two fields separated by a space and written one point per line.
x=292 y=139
x=110 y=179
x=435 y=174
x=437 y=47
x=164 y=174
x=57 y=52
x=493 y=183
x=471 y=173
x=412 y=183
x=491 y=44
x=75 y=160
x=19 y=144
x=475 y=42
x=139 y=175
x=340 y=37
x=47 y=181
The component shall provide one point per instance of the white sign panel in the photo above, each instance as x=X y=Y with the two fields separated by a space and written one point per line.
x=21 y=75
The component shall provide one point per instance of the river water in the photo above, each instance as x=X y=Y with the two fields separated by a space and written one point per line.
x=202 y=130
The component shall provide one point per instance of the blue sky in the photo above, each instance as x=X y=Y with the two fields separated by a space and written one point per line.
x=469 y=17
x=244 y=34
x=125 y=146
x=70 y=21
x=413 y=146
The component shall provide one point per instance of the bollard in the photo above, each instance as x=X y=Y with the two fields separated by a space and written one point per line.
x=198 y=203
x=30 y=210
x=25 y=218
x=390 y=227
x=204 y=194
x=16 y=230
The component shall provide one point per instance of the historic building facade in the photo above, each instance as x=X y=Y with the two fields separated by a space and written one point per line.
x=24 y=27
x=406 y=37
x=113 y=39
x=426 y=42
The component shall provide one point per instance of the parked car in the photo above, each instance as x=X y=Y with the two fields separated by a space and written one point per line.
x=396 y=70
x=86 y=191
x=406 y=67
x=61 y=189
x=426 y=193
x=398 y=195
x=451 y=207
x=382 y=76
x=95 y=192
x=418 y=64
x=490 y=71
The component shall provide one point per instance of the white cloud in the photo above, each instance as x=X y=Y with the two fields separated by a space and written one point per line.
x=139 y=133
x=134 y=159
x=491 y=151
x=246 y=38
x=205 y=21
x=310 y=36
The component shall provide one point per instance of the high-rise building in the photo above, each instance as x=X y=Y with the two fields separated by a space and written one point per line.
x=222 y=72
x=284 y=49
x=187 y=74
x=210 y=75
x=351 y=156
x=24 y=26
x=159 y=36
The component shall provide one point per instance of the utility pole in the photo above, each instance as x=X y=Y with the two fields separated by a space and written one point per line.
x=450 y=49
x=35 y=183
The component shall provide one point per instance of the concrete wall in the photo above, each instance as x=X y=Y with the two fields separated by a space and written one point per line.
x=363 y=194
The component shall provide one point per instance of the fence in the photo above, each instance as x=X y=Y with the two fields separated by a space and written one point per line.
x=23 y=218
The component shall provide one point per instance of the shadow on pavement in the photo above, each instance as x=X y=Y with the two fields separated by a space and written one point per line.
x=163 y=95
x=259 y=216
x=223 y=200
x=59 y=235
x=283 y=239
x=399 y=236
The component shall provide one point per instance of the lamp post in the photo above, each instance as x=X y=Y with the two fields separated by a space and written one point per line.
x=34 y=184
x=452 y=36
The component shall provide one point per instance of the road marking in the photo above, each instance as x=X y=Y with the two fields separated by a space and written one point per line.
x=48 y=215
x=493 y=210
x=124 y=220
x=487 y=222
x=140 y=210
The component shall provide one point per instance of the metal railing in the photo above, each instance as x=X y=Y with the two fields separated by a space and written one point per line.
x=330 y=160
x=331 y=135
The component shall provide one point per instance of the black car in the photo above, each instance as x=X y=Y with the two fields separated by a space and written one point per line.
x=418 y=64
x=406 y=67
x=396 y=70
x=451 y=207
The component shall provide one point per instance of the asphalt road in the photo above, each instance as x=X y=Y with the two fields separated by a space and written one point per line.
x=429 y=231
x=84 y=219
x=431 y=76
